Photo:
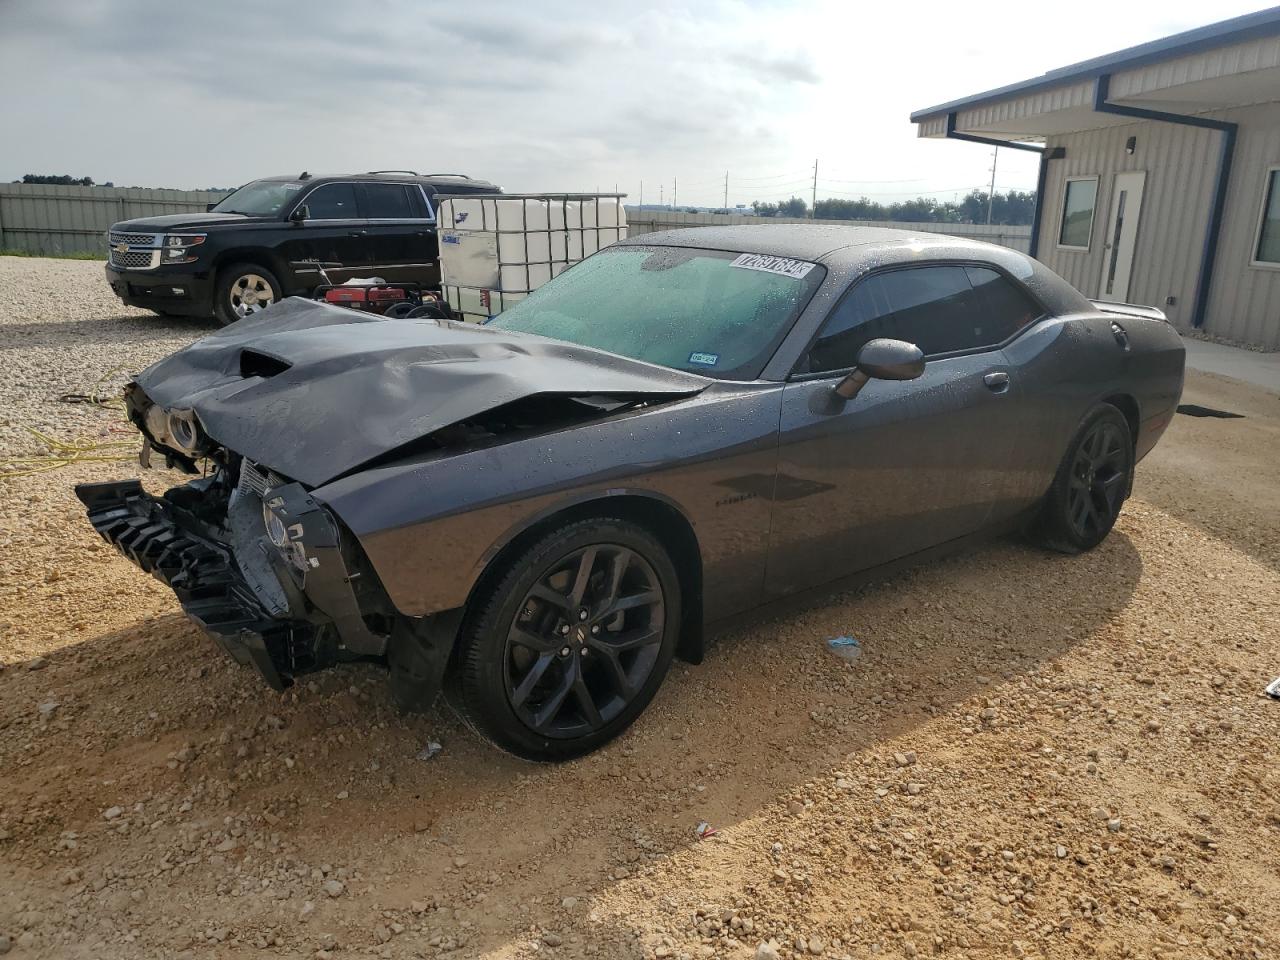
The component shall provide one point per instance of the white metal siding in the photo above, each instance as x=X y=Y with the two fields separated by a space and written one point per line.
x=1244 y=303
x=1207 y=65
x=1181 y=164
x=1031 y=105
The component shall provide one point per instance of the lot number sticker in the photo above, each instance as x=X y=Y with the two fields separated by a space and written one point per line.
x=796 y=269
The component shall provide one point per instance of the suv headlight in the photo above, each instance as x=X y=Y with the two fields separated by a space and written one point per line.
x=179 y=247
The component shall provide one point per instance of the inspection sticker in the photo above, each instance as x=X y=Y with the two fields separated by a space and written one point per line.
x=796 y=269
x=704 y=359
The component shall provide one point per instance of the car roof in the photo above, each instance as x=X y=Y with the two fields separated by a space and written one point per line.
x=850 y=251
x=804 y=241
x=399 y=176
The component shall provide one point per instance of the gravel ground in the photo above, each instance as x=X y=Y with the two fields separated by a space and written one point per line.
x=62 y=331
x=1035 y=756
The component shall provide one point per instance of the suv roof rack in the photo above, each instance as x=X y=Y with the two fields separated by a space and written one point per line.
x=413 y=173
x=460 y=176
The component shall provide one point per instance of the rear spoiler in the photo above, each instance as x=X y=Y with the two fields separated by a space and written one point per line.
x=1129 y=310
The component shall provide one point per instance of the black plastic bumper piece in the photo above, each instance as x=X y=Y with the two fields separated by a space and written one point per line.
x=202 y=574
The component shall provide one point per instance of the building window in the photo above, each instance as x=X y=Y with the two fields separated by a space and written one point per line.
x=1078 y=204
x=1268 y=249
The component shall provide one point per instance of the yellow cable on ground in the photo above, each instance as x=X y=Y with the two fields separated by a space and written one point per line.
x=65 y=453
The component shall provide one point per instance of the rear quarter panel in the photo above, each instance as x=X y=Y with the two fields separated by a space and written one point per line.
x=1066 y=365
x=431 y=526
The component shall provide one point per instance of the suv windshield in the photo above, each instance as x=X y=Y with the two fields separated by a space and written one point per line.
x=711 y=312
x=262 y=198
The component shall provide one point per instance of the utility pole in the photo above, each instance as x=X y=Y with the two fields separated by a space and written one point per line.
x=813 y=210
x=661 y=201
x=674 y=204
x=726 y=191
x=991 y=194
x=641 y=196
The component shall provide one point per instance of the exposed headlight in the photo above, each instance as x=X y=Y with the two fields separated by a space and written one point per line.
x=185 y=431
x=285 y=537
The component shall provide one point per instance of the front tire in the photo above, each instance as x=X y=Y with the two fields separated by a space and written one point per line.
x=1091 y=484
x=566 y=646
x=242 y=290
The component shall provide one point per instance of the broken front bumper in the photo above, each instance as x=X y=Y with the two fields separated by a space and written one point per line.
x=163 y=540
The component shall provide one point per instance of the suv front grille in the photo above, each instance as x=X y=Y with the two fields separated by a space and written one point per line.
x=135 y=239
x=135 y=259
x=134 y=251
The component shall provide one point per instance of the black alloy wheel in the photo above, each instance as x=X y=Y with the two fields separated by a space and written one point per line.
x=585 y=641
x=1099 y=478
x=569 y=647
x=1091 y=484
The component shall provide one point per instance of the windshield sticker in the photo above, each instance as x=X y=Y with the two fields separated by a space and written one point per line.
x=704 y=359
x=796 y=269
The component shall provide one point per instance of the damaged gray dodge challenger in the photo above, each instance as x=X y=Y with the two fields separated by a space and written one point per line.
x=537 y=514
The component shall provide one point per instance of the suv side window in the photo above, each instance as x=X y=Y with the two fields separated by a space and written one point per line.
x=332 y=201
x=941 y=309
x=387 y=201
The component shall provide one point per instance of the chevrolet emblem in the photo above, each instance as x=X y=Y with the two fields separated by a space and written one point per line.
x=122 y=248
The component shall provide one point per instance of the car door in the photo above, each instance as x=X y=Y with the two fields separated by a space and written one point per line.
x=905 y=465
x=334 y=235
x=401 y=233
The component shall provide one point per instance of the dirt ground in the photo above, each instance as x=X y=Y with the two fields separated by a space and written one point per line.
x=1035 y=755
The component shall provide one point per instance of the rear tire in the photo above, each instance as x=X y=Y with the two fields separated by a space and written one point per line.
x=243 y=289
x=568 y=644
x=1090 y=486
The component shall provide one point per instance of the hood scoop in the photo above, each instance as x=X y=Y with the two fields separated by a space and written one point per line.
x=255 y=364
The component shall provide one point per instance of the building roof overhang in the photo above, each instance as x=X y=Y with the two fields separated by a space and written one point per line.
x=1224 y=64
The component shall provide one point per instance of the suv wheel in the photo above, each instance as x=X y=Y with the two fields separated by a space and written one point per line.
x=567 y=647
x=244 y=289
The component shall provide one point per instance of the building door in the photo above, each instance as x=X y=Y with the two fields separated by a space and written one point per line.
x=1121 y=239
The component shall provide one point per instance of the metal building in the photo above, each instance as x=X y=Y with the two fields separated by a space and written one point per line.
x=1159 y=172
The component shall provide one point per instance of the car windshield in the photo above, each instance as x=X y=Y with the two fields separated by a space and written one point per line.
x=711 y=312
x=262 y=198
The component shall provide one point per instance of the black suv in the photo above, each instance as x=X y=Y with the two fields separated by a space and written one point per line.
x=269 y=239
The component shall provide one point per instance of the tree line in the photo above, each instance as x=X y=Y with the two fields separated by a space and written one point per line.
x=1009 y=208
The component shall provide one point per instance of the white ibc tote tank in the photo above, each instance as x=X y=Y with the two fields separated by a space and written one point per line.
x=496 y=250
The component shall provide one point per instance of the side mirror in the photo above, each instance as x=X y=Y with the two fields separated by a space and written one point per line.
x=208 y=207
x=300 y=215
x=882 y=359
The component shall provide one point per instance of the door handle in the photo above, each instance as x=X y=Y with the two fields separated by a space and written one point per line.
x=997 y=382
x=358 y=233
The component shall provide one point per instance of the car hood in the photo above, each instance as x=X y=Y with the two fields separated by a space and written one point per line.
x=315 y=391
x=184 y=221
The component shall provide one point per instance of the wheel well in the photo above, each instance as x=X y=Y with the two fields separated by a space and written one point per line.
x=662 y=520
x=255 y=256
x=1129 y=407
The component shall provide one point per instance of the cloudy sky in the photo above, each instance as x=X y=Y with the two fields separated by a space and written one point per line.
x=537 y=94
